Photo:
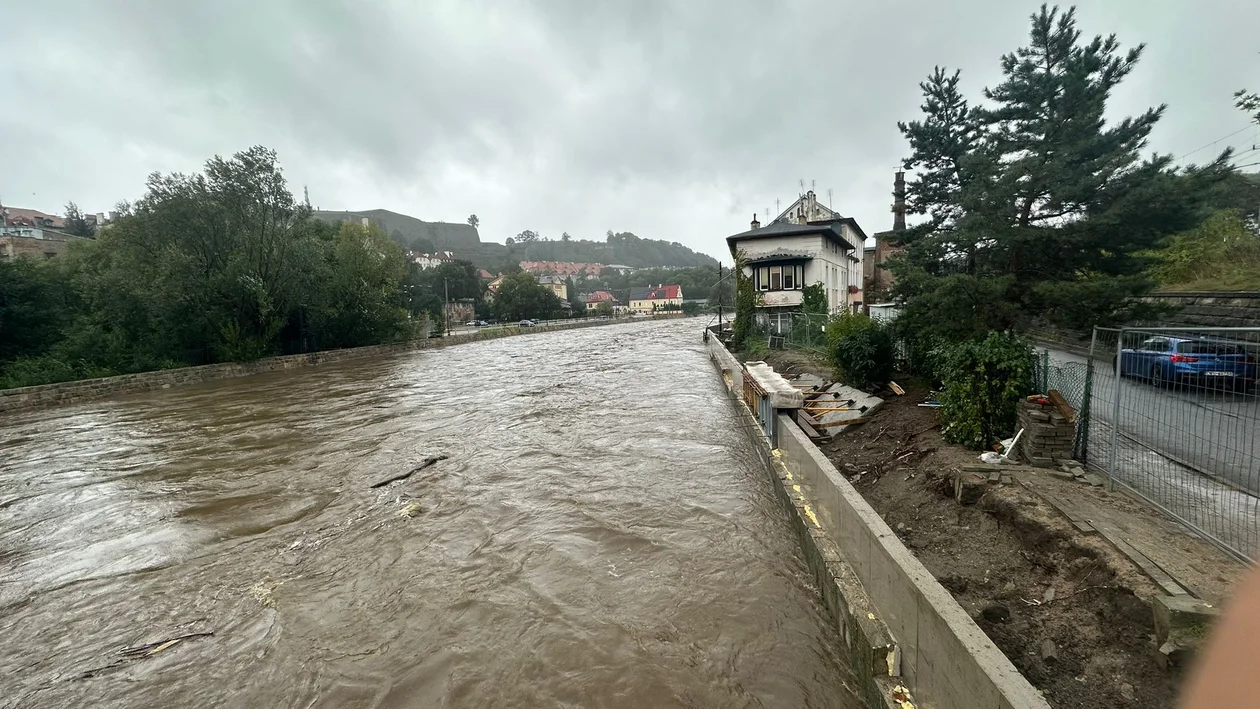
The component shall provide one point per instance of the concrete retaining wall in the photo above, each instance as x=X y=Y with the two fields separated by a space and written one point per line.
x=90 y=389
x=939 y=653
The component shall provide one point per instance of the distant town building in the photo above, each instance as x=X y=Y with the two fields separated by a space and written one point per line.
x=430 y=260
x=572 y=269
x=485 y=275
x=16 y=216
x=600 y=296
x=647 y=299
x=556 y=284
x=29 y=241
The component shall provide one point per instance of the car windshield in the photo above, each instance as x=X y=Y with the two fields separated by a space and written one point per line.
x=1208 y=348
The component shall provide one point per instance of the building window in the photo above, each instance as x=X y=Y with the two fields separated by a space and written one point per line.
x=789 y=278
x=800 y=277
x=763 y=278
x=776 y=278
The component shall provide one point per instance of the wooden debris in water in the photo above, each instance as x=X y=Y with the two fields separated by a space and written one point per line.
x=403 y=476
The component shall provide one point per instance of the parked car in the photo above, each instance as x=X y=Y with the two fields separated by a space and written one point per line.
x=1190 y=361
x=526 y=323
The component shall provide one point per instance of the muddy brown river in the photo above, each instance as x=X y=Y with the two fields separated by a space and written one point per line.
x=601 y=535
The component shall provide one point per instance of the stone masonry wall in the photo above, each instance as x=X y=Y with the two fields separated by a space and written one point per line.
x=1208 y=309
x=90 y=389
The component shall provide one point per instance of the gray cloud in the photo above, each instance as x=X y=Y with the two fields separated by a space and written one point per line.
x=674 y=120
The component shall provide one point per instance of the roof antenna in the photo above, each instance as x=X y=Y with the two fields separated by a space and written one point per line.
x=829 y=200
x=802 y=182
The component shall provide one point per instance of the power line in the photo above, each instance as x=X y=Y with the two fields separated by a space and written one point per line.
x=1247 y=165
x=1231 y=135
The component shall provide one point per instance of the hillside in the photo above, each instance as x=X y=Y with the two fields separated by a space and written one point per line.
x=417 y=234
x=625 y=249
x=463 y=240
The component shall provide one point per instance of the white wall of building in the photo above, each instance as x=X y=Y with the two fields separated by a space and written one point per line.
x=830 y=266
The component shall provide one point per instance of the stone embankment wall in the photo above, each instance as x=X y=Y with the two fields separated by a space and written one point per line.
x=91 y=389
x=900 y=626
x=1208 y=309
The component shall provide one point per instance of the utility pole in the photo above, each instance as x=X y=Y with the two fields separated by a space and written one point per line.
x=720 y=296
x=446 y=296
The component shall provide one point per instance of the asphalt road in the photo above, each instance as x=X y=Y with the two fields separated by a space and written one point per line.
x=1195 y=452
x=1212 y=431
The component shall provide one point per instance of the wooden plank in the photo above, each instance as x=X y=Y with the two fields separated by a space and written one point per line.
x=896 y=389
x=802 y=415
x=829 y=408
x=1143 y=562
x=847 y=422
x=1078 y=521
x=1063 y=406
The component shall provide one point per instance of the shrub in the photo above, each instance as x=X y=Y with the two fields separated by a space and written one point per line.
x=841 y=325
x=861 y=349
x=865 y=355
x=984 y=382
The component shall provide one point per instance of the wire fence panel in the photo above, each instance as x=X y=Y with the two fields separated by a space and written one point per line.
x=1172 y=414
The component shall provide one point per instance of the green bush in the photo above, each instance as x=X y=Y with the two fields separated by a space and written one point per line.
x=865 y=356
x=861 y=349
x=984 y=382
x=841 y=325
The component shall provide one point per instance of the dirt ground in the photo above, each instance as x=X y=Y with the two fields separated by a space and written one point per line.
x=1069 y=610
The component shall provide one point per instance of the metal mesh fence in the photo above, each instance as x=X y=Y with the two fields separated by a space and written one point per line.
x=1171 y=414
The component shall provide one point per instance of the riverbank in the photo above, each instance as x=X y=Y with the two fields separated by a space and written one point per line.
x=909 y=641
x=75 y=392
x=1068 y=580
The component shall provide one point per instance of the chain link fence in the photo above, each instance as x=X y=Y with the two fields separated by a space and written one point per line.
x=794 y=330
x=1172 y=415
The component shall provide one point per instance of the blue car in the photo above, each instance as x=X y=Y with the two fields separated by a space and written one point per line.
x=1190 y=361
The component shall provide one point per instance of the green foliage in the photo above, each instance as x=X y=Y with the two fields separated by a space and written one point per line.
x=520 y=297
x=843 y=324
x=1221 y=254
x=1038 y=207
x=32 y=308
x=861 y=349
x=814 y=299
x=76 y=223
x=605 y=308
x=746 y=301
x=1249 y=103
x=984 y=381
x=221 y=265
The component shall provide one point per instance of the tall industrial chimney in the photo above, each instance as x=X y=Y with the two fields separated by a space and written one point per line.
x=899 y=202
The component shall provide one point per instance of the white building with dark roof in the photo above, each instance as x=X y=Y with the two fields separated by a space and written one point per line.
x=808 y=243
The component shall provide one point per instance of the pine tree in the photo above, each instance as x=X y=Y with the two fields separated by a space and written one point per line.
x=940 y=144
x=76 y=223
x=1039 y=208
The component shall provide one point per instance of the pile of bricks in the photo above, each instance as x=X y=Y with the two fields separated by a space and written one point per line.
x=1048 y=434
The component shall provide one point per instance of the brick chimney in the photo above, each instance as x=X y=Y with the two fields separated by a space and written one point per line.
x=899 y=202
x=755 y=224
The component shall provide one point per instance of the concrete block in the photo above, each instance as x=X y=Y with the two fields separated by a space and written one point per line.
x=1182 y=623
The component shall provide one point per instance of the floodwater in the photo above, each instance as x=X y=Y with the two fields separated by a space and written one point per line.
x=600 y=536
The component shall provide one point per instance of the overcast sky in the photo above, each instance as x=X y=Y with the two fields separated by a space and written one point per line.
x=674 y=120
